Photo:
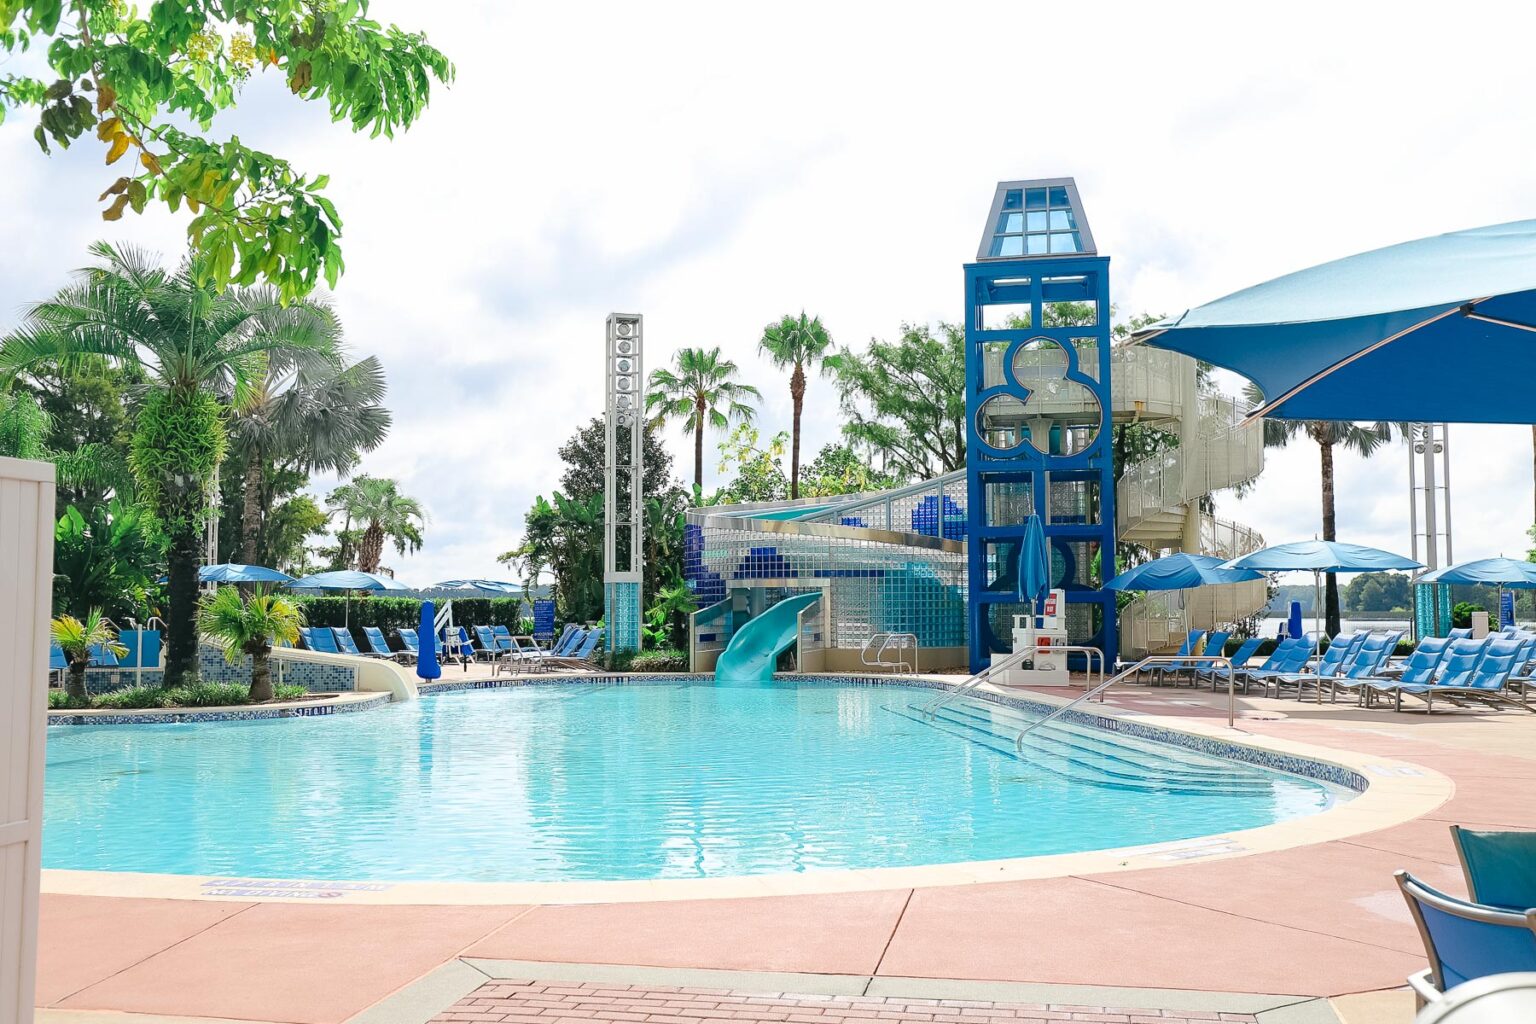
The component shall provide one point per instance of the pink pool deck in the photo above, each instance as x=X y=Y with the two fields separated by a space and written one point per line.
x=1320 y=920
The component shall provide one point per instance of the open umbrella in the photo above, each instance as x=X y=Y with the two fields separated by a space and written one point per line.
x=350 y=580
x=235 y=572
x=1502 y=572
x=1384 y=335
x=1182 y=571
x=1318 y=557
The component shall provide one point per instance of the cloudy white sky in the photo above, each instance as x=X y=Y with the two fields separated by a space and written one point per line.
x=714 y=166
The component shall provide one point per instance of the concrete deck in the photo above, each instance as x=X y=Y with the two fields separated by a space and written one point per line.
x=1318 y=921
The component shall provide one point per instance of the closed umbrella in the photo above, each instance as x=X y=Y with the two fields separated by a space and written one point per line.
x=1384 y=335
x=1034 y=564
x=427 y=666
x=1318 y=557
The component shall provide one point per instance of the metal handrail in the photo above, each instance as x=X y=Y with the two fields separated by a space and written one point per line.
x=886 y=640
x=1090 y=654
x=976 y=680
x=1156 y=659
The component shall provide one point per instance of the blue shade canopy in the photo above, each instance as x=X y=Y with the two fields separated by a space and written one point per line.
x=1501 y=572
x=349 y=579
x=1386 y=334
x=1321 y=556
x=476 y=588
x=1180 y=572
x=1034 y=561
x=234 y=572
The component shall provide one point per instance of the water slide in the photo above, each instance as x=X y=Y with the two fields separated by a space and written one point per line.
x=755 y=649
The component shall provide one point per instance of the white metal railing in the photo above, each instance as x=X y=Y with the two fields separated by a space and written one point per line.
x=1221 y=452
x=872 y=654
x=1134 y=670
x=1017 y=657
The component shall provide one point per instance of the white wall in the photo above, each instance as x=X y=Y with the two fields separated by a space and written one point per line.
x=26 y=579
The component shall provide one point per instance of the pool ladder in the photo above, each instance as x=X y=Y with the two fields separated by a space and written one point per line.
x=897 y=642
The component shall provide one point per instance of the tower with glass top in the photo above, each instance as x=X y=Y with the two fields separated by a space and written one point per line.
x=624 y=486
x=1037 y=398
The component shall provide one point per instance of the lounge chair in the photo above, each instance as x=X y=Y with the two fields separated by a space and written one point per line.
x=560 y=643
x=580 y=657
x=57 y=662
x=1465 y=941
x=1338 y=656
x=486 y=638
x=1465 y=675
x=412 y=644
x=1217 y=674
x=1417 y=670
x=572 y=639
x=346 y=645
x=320 y=640
x=378 y=647
x=1459 y=634
x=1500 y=867
x=503 y=637
x=1289 y=657
x=1188 y=647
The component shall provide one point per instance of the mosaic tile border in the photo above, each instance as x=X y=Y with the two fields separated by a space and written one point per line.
x=193 y=717
x=1309 y=768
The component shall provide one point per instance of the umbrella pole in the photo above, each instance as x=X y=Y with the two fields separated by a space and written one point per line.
x=1317 y=607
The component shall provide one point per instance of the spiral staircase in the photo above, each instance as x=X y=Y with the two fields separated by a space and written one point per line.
x=1158 y=501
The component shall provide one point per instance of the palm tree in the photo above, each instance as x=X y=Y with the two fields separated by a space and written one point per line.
x=193 y=344
x=385 y=514
x=694 y=392
x=305 y=411
x=798 y=342
x=76 y=639
x=249 y=625
x=1329 y=435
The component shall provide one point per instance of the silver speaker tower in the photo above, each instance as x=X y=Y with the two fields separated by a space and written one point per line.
x=624 y=484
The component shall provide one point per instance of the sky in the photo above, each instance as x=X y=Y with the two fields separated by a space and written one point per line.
x=715 y=166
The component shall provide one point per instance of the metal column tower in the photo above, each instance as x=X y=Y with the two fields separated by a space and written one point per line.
x=1429 y=495
x=623 y=482
x=1037 y=400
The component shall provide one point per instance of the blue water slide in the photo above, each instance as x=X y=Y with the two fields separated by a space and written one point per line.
x=756 y=646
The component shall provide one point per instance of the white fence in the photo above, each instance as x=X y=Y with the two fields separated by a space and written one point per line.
x=1222 y=453
x=26 y=581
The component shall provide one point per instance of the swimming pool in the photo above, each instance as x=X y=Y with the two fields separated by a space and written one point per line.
x=608 y=781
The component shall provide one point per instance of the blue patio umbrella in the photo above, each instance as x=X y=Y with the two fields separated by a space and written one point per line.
x=1318 y=557
x=426 y=643
x=235 y=572
x=1034 y=563
x=1182 y=571
x=1384 y=335
x=350 y=580
x=1502 y=572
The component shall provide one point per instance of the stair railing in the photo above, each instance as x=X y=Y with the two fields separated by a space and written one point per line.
x=976 y=680
x=1137 y=669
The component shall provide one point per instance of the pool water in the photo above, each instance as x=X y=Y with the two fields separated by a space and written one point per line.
x=564 y=782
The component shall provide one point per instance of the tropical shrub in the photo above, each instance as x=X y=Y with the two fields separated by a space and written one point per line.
x=107 y=557
x=77 y=637
x=389 y=613
x=250 y=625
x=665 y=660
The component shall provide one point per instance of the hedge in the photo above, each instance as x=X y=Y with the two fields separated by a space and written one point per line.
x=395 y=612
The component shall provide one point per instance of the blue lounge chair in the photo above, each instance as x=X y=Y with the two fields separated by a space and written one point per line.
x=378 y=647
x=56 y=661
x=345 y=644
x=1217 y=674
x=1465 y=941
x=1289 y=657
x=411 y=643
x=1500 y=867
x=485 y=636
x=573 y=638
x=1188 y=647
x=503 y=637
x=1338 y=656
x=1465 y=675
x=1419 y=669
x=561 y=642
x=1459 y=634
x=321 y=640
x=579 y=658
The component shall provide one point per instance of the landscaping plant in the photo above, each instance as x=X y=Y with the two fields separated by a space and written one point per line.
x=244 y=625
x=76 y=638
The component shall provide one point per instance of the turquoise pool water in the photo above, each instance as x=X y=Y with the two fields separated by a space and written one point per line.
x=652 y=780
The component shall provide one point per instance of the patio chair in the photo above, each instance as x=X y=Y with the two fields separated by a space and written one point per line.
x=411 y=643
x=1459 y=634
x=486 y=638
x=1483 y=680
x=572 y=639
x=1338 y=657
x=57 y=663
x=503 y=637
x=378 y=647
x=1188 y=647
x=1289 y=657
x=1463 y=940
x=1419 y=669
x=579 y=658
x=320 y=640
x=1500 y=867
x=1217 y=674
x=344 y=642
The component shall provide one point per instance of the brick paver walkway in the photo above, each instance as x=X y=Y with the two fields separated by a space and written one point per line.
x=535 y=1002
